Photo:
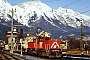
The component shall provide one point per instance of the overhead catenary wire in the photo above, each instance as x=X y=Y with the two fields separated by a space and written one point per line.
x=77 y=9
x=71 y=3
x=66 y=5
x=85 y=11
x=83 y=8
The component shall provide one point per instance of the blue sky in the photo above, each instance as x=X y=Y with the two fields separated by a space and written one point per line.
x=81 y=6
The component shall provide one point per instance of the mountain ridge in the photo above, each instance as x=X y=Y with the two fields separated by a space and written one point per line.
x=34 y=14
x=36 y=7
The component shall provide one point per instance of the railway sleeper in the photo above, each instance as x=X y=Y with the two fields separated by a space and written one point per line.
x=8 y=57
x=2 y=57
x=11 y=56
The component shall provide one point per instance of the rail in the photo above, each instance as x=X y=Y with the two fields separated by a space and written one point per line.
x=5 y=56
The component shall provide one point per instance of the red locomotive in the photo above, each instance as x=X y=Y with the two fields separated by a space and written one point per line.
x=43 y=45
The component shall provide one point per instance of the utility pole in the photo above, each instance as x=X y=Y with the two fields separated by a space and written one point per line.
x=81 y=38
x=12 y=25
x=17 y=35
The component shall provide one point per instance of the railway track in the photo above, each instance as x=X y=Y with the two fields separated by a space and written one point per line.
x=7 y=56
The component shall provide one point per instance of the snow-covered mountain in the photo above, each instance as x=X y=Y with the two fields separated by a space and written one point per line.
x=37 y=14
x=34 y=10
